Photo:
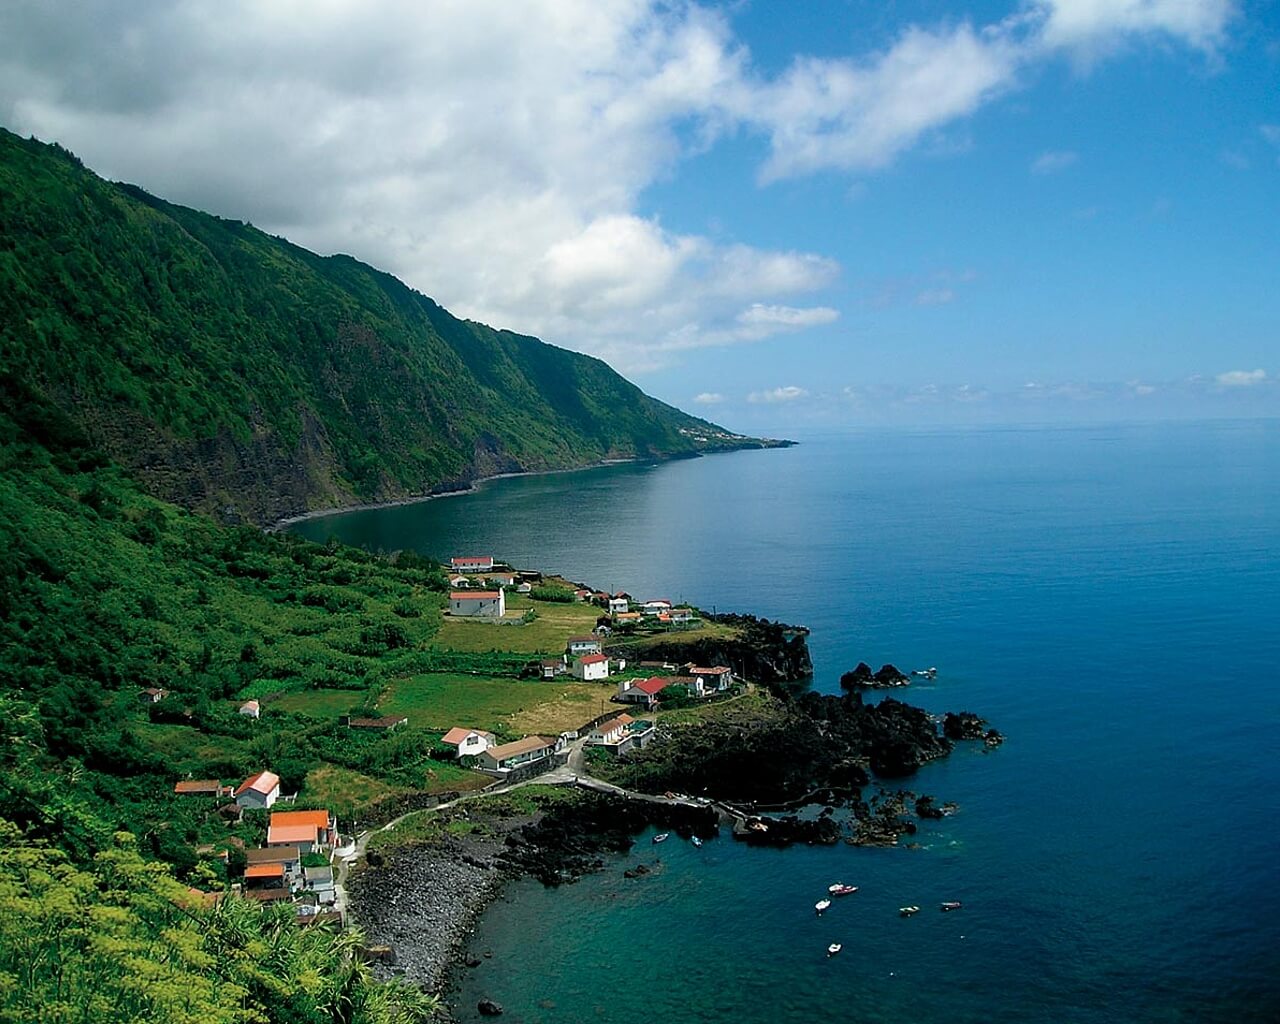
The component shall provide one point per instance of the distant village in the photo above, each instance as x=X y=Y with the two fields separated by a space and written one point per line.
x=296 y=859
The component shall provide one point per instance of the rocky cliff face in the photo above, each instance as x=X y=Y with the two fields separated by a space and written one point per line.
x=764 y=652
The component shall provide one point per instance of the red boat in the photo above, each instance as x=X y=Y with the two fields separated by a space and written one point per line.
x=840 y=889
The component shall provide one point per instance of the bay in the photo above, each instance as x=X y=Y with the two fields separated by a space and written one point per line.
x=1106 y=596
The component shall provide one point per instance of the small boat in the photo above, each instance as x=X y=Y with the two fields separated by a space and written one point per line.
x=908 y=911
x=834 y=948
x=949 y=905
x=821 y=905
x=696 y=841
x=840 y=889
x=662 y=837
x=927 y=673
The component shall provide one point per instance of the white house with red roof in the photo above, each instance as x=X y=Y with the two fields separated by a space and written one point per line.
x=610 y=732
x=310 y=831
x=478 y=604
x=643 y=691
x=591 y=667
x=707 y=682
x=259 y=791
x=681 y=615
x=469 y=741
x=481 y=563
x=658 y=606
x=251 y=709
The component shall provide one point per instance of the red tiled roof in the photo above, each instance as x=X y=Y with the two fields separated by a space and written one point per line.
x=719 y=670
x=264 y=871
x=471 y=595
x=621 y=722
x=652 y=686
x=593 y=659
x=457 y=734
x=319 y=818
x=471 y=560
x=263 y=782
x=287 y=835
x=198 y=786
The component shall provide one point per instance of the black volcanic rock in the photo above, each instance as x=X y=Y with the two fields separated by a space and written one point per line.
x=963 y=725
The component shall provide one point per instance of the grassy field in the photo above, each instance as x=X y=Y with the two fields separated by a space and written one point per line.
x=321 y=704
x=344 y=792
x=187 y=749
x=544 y=635
x=441 y=700
x=635 y=646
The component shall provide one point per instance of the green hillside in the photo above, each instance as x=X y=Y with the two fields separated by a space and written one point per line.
x=234 y=372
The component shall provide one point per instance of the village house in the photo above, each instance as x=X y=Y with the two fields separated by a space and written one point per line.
x=510 y=756
x=707 y=682
x=656 y=607
x=525 y=588
x=483 y=563
x=643 y=691
x=201 y=787
x=468 y=742
x=288 y=857
x=319 y=881
x=322 y=826
x=251 y=709
x=261 y=877
x=459 y=582
x=479 y=604
x=591 y=667
x=552 y=667
x=618 y=605
x=611 y=731
x=387 y=723
x=259 y=791
x=582 y=595
x=680 y=616
x=152 y=695
x=579 y=645
x=501 y=579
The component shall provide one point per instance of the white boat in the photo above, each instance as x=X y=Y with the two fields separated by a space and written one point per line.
x=949 y=905
x=840 y=889
x=821 y=905
x=834 y=948
x=696 y=841
x=908 y=911
x=662 y=837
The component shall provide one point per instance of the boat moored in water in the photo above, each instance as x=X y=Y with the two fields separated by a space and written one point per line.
x=696 y=841
x=662 y=837
x=949 y=905
x=840 y=889
x=834 y=948
x=908 y=911
x=821 y=905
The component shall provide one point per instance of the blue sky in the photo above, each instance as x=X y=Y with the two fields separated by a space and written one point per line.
x=784 y=216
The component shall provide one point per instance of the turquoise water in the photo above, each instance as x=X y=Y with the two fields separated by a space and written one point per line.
x=1108 y=597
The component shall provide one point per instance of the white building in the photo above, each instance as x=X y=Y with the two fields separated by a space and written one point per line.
x=617 y=605
x=706 y=682
x=251 y=709
x=517 y=754
x=592 y=667
x=610 y=732
x=259 y=791
x=469 y=741
x=580 y=645
x=478 y=604
x=483 y=563
x=657 y=607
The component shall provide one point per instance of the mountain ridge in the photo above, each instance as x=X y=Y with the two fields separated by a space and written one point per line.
x=237 y=373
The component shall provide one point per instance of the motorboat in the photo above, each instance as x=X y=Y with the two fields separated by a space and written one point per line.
x=927 y=673
x=662 y=837
x=949 y=905
x=834 y=948
x=696 y=841
x=908 y=911
x=821 y=905
x=840 y=889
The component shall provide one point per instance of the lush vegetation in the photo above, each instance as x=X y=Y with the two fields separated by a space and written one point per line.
x=243 y=375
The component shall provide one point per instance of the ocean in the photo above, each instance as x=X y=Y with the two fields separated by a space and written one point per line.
x=1106 y=596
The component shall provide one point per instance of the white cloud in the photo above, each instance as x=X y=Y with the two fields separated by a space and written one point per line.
x=709 y=398
x=789 y=393
x=1241 y=378
x=1053 y=161
x=494 y=154
x=1103 y=24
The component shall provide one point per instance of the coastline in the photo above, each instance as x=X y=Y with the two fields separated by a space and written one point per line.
x=471 y=486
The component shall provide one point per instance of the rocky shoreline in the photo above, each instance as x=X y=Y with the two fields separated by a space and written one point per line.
x=418 y=904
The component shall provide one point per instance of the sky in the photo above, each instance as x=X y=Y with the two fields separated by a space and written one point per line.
x=785 y=216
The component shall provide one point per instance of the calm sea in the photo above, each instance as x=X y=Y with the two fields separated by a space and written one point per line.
x=1108 y=597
